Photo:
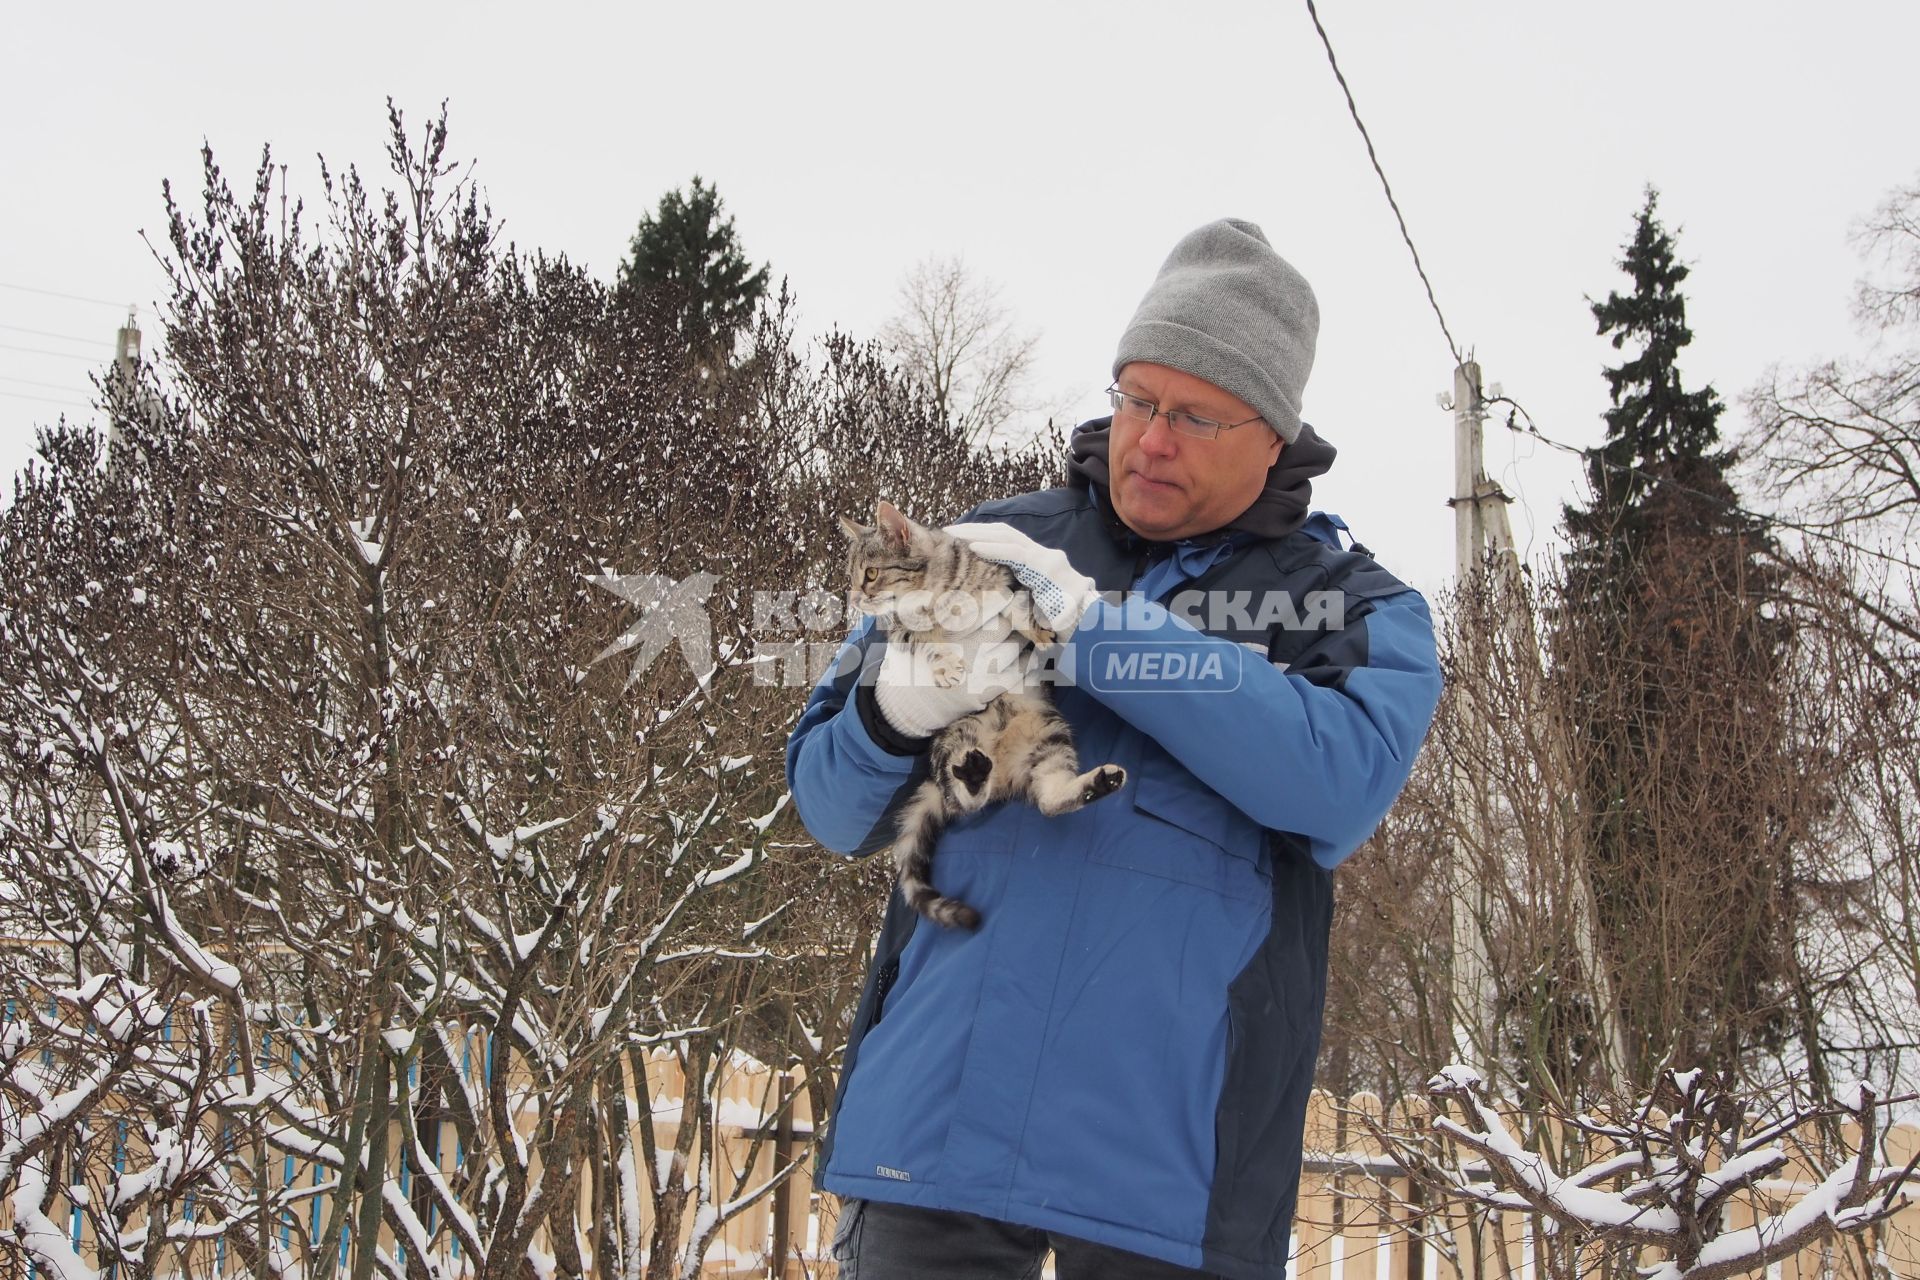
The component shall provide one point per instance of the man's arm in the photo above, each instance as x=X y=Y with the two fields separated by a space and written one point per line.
x=1321 y=749
x=847 y=768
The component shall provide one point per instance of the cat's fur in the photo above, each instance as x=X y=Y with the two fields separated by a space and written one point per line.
x=1017 y=746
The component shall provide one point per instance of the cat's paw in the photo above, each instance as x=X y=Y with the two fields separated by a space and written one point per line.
x=947 y=666
x=1104 y=781
x=1042 y=635
x=973 y=770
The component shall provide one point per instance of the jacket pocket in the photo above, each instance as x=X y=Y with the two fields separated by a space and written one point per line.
x=1173 y=795
x=1178 y=828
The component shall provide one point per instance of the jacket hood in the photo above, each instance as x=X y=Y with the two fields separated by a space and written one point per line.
x=1278 y=511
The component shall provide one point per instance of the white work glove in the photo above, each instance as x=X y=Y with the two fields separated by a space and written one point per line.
x=1061 y=593
x=923 y=688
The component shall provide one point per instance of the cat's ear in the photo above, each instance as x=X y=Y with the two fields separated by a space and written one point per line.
x=898 y=527
x=853 y=531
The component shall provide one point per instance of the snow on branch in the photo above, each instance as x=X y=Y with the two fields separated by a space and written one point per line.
x=1660 y=1182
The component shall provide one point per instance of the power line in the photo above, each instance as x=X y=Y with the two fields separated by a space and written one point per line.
x=1367 y=138
x=1592 y=456
x=42 y=351
x=54 y=293
x=1515 y=408
x=48 y=333
x=20 y=395
x=29 y=382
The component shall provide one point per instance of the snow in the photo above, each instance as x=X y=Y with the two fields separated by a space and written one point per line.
x=1454 y=1076
x=739 y=866
x=1746 y=1167
x=210 y=967
x=49 y=1113
x=765 y=820
x=49 y=1245
x=704 y=1219
x=363 y=542
x=1603 y=1209
x=1855 y=1095
x=665 y=1162
x=630 y=1219
x=1752 y=1242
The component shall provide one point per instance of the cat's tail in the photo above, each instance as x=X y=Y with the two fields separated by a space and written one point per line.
x=921 y=819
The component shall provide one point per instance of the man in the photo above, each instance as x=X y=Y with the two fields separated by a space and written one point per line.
x=1116 y=1063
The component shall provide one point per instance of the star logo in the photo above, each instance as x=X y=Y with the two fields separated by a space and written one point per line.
x=670 y=611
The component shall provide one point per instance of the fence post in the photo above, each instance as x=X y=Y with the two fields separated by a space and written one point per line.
x=1416 y=1221
x=783 y=1195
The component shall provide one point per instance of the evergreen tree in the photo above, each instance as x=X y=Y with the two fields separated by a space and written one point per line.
x=685 y=260
x=1673 y=652
x=1656 y=429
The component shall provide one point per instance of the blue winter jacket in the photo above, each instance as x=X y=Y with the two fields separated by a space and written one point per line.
x=1123 y=1050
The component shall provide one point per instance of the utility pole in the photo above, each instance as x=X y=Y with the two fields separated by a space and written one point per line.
x=126 y=366
x=1479 y=527
x=1483 y=548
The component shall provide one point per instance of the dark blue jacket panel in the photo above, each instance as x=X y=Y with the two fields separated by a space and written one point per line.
x=1123 y=1050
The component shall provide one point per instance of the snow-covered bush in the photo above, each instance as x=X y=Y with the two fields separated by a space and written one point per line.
x=350 y=895
x=1696 y=1181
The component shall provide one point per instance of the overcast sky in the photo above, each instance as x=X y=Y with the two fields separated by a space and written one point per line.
x=1062 y=149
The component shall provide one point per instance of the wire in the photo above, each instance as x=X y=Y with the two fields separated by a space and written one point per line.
x=70 y=297
x=1734 y=508
x=18 y=395
x=1511 y=473
x=29 y=382
x=1367 y=138
x=48 y=333
x=42 y=351
x=1592 y=456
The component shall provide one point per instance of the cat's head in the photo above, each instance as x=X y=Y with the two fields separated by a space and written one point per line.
x=885 y=560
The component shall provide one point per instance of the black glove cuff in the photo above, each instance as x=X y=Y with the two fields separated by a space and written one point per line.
x=881 y=730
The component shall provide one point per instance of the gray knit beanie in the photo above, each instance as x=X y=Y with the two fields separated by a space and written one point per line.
x=1229 y=310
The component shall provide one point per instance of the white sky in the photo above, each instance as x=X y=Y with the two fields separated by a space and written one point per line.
x=1063 y=149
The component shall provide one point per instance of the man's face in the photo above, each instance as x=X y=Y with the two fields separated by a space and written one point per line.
x=1166 y=485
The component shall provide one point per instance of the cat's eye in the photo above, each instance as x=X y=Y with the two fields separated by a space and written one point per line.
x=873 y=575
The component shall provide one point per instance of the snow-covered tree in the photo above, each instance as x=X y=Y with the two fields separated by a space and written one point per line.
x=1693 y=1182
x=369 y=819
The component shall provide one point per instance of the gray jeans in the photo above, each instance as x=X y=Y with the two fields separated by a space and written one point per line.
x=877 y=1241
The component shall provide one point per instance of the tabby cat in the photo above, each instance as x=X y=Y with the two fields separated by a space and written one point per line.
x=1018 y=745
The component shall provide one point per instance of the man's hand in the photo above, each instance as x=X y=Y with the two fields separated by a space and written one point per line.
x=921 y=689
x=1061 y=593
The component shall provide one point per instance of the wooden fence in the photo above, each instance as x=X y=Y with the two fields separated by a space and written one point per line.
x=1360 y=1217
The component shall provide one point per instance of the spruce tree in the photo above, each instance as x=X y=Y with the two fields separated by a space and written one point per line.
x=685 y=261
x=1656 y=429
x=1671 y=652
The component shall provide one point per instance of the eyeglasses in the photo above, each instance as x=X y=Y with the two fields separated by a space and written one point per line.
x=1134 y=409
